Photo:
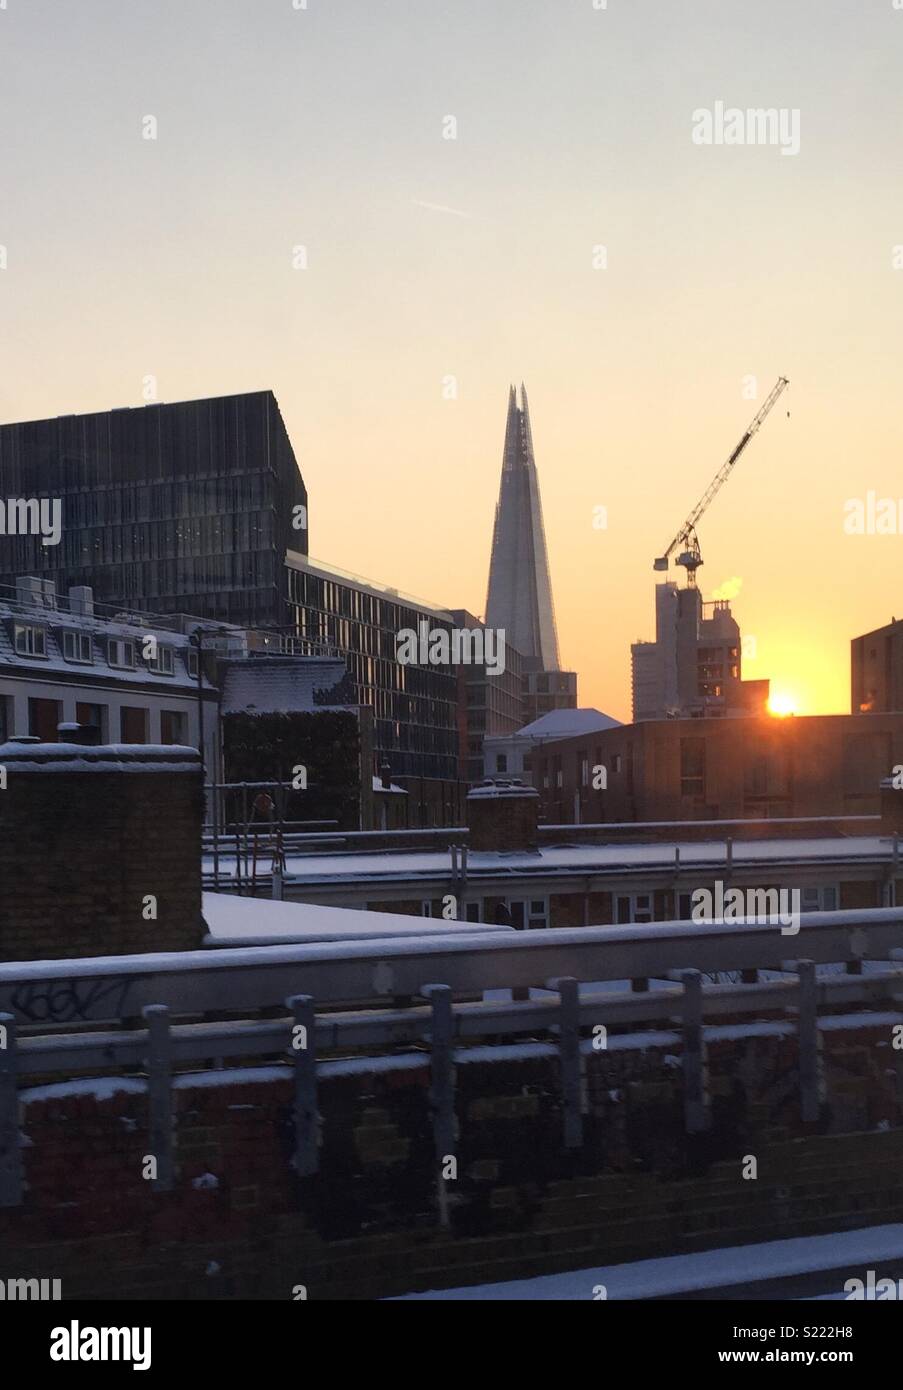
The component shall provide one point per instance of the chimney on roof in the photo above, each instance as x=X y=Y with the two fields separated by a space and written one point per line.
x=502 y=815
x=87 y=735
x=30 y=591
x=100 y=849
x=81 y=600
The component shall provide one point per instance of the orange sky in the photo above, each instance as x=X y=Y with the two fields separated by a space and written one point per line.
x=472 y=258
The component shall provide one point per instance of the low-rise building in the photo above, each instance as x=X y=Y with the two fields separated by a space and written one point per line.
x=511 y=755
x=132 y=678
x=717 y=769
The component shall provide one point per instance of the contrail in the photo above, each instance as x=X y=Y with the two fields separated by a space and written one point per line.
x=438 y=207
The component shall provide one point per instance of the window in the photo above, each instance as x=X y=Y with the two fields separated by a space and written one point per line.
x=634 y=907
x=92 y=716
x=121 y=652
x=472 y=912
x=501 y=762
x=161 y=662
x=133 y=724
x=5 y=721
x=819 y=899
x=426 y=908
x=43 y=718
x=692 y=767
x=77 y=646
x=536 y=916
x=31 y=641
x=173 y=726
x=191 y=661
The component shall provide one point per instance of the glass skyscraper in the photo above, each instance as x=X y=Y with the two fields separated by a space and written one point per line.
x=188 y=507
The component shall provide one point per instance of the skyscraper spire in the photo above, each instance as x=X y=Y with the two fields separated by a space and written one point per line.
x=519 y=598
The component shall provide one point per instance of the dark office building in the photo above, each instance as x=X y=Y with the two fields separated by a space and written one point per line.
x=414 y=706
x=488 y=703
x=165 y=508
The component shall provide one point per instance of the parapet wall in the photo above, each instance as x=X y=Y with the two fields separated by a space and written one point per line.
x=241 y=1224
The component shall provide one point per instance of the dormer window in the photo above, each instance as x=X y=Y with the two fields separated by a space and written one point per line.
x=30 y=641
x=77 y=646
x=121 y=653
x=161 y=662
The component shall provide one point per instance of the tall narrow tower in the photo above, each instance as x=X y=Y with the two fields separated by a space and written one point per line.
x=520 y=591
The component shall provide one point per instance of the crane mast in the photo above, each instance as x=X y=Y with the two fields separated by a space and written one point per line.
x=690 y=556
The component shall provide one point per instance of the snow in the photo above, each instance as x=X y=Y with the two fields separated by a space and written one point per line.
x=264 y=921
x=468 y=941
x=378 y=787
x=109 y=757
x=282 y=685
x=100 y=1087
x=502 y=789
x=562 y=723
x=710 y=1269
x=565 y=860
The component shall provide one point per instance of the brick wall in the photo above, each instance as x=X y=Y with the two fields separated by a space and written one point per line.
x=241 y=1224
x=82 y=851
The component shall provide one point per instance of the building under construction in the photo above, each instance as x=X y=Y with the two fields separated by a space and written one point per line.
x=693 y=668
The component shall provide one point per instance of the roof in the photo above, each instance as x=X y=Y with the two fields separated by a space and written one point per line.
x=410 y=866
x=259 y=921
x=99 y=631
x=285 y=685
x=565 y=723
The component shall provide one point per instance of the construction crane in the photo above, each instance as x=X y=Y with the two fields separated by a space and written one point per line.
x=690 y=556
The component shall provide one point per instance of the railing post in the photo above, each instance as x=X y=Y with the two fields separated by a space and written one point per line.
x=442 y=1089
x=159 y=1091
x=11 y=1183
x=307 y=1115
x=809 y=1041
x=569 y=1060
x=696 y=1109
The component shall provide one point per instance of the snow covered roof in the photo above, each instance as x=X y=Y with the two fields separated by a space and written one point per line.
x=378 y=787
x=566 y=723
x=99 y=632
x=285 y=685
x=262 y=922
x=598 y=860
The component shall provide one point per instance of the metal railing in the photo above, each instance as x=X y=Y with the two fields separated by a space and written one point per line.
x=446 y=1028
x=337 y=974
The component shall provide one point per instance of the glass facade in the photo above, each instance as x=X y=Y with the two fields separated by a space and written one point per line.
x=414 y=707
x=165 y=508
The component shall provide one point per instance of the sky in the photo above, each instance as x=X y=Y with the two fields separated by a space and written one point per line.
x=437 y=270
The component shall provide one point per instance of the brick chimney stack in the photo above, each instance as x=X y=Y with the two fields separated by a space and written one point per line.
x=502 y=815
x=100 y=849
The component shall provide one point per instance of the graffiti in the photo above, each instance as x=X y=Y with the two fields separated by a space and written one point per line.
x=70 y=1001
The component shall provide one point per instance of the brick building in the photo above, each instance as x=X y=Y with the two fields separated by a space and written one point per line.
x=701 y=769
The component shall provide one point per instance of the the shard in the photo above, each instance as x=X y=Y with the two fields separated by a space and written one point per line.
x=520 y=590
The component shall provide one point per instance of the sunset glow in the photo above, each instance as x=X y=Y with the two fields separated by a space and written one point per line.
x=782 y=704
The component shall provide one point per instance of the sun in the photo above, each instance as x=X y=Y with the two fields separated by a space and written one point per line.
x=781 y=705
